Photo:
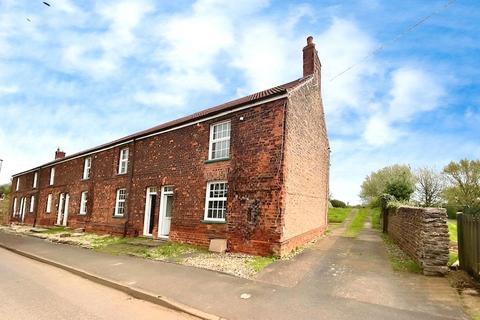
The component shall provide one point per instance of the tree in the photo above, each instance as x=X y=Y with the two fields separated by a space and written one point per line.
x=397 y=179
x=464 y=183
x=5 y=189
x=400 y=189
x=429 y=187
x=338 y=203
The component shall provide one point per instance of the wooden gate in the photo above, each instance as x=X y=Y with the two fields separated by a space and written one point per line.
x=468 y=226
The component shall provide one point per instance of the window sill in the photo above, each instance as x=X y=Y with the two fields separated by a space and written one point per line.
x=122 y=174
x=213 y=222
x=217 y=160
x=84 y=179
x=81 y=214
x=118 y=217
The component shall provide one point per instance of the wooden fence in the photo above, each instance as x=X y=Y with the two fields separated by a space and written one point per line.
x=468 y=226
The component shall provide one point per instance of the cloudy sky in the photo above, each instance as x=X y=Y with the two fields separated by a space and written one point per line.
x=80 y=73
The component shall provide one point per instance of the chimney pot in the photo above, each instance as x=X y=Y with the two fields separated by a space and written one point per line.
x=309 y=40
x=59 y=154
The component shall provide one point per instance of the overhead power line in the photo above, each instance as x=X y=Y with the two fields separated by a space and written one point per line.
x=397 y=37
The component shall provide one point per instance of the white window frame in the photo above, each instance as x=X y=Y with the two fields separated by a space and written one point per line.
x=32 y=203
x=49 y=203
x=119 y=201
x=14 y=206
x=18 y=184
x=87 y=165
x=83 y=203
x=212 y=140
x=123 y=161
x=52 y=176
x=35 y=180
x=208 y=198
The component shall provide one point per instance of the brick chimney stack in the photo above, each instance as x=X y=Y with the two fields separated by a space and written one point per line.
x=59 y=154
x=311 y=62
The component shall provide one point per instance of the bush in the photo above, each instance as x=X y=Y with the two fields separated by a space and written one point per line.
x=338 y=203
x=452 y=212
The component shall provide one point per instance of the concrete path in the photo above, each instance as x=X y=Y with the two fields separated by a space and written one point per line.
x=34 y=290
x=339 y=278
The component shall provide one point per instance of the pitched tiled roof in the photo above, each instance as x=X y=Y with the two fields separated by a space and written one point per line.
x=272 y=92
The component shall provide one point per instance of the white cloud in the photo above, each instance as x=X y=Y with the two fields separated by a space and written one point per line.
x=8 y=90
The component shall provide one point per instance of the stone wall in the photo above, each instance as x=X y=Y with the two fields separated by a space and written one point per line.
x=422 y=233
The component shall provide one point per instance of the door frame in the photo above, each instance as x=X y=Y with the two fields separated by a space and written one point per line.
x=148 y=208
x=61 y=199
x=65 y=210
x=163 y=206
x=62 y=211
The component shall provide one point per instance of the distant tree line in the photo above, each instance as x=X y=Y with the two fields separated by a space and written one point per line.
x=458 y=184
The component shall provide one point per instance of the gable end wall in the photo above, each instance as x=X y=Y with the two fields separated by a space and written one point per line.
x=306 y=168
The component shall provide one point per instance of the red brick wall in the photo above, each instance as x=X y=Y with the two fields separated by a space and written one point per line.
x=254 y=174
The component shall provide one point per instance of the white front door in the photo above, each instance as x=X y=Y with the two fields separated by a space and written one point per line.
x=22 y=209
x=150 y=204
x=62 y=214
x=165 y=216
x=65 y=210
x=60 y=208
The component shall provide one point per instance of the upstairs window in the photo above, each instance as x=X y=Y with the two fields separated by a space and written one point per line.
x=83 y=203
x=18 y=184
x=219 y=147
x=32 y=203
x=216 y=201
x=49 y=203
x=52 y=176
x=35 y=180
x=87 y=164
x=120 y=203
x=123 y=162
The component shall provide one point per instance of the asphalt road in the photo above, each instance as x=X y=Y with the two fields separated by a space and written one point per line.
x=33 y=290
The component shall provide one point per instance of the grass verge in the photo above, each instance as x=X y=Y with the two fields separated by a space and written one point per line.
x=452 y=257
x=54 y=230
x=260 y=263
x=338 y=215
x=375 y=213
x=356 y=225
x=399 y=260
x=4 y=206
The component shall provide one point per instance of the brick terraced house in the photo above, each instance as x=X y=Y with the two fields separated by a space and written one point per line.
x=253 y=172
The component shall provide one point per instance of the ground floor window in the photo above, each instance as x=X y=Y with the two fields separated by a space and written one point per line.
x=83 y=203
x=32 y=203
x=216 y=201
x=120 y=202
x=49 y=203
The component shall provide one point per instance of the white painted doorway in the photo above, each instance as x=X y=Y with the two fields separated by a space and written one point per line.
x=22 y=209
x=150 y=208
x=62 y=215
x=165 y=217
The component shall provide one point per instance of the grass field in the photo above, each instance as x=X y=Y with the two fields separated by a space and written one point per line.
x=338 y=215
x=452 y=230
